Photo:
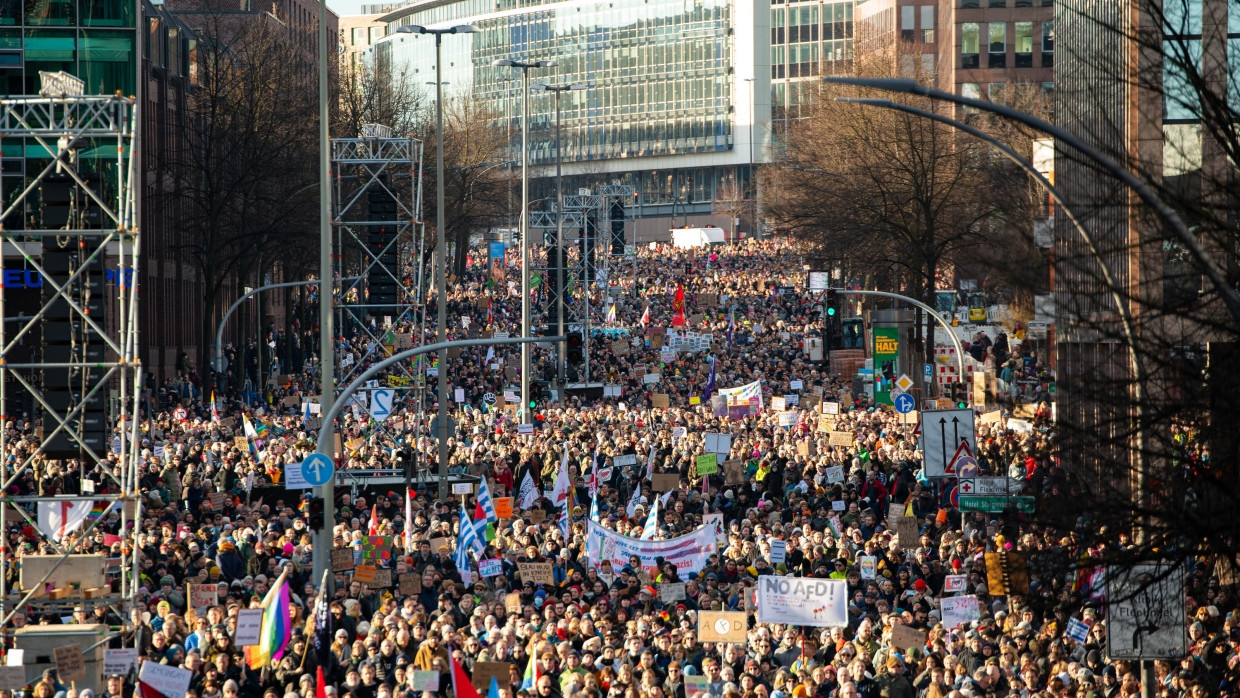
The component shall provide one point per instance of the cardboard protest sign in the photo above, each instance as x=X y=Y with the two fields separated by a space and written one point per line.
x=660 y=401
x=342 y=559
x=484 y=671
x=841 y=438
x=364 y=574
x=664 y=482
x=410 y=584
x=536 y=572
x=722 y=626
x=70 y=664
x=904 y=637
x=734 y=471
x=906 y=532
x=382 y=578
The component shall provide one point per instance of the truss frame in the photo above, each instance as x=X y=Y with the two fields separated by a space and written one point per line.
x=56 y=124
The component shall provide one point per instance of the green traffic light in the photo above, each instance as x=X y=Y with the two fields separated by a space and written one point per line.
x=533 y=404
x=830 y=311
x=961 y=405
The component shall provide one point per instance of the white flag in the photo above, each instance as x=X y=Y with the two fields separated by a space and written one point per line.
x=636 y=500
x=559 y=492
x=529 y=493
x=652 y=522
x=60 y=518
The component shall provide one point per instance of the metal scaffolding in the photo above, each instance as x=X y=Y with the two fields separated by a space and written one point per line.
x=580 y=298
x=83 y=145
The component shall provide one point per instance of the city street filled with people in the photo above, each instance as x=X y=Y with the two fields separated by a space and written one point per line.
x=591 y=557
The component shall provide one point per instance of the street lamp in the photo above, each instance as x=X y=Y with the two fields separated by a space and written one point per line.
x=525 y=221
x=561 y=359
x=441 y=286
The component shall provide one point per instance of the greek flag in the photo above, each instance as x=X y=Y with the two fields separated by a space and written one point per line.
x=485 y=501
x=652 y=521
x=635 y=501
x=467 y=539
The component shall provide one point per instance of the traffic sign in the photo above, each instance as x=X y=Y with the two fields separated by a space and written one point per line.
x=435 y=428
x=904 y=403
x=904 y=382
x=317 y=469
x=943 y=432
x=381 y=404
x=987 y=486
x=973 y=502
x=966 y=466
x=180 y=414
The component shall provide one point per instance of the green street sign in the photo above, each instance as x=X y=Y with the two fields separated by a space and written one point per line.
x=976 y=502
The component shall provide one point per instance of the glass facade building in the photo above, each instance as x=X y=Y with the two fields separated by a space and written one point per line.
x=678 y=98
x=92 y=39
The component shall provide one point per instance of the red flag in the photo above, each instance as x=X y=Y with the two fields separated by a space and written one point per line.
x=145 y=691
x=320 y=686
x=374 y=520
x=678 y=304
x=646 y=316
x=461 y=686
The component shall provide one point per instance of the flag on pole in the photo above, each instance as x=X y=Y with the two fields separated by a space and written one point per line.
x=635 y=501
x=678 y=305
x=559 y=491
x=322 y=629
x=531 y=674
x=215 y=413
x=409 y=522
x=305 y=416
x=486 y=502
x=373 y=525
x=59 y=518
x=731 y=325
x=528 y=493
x=493 y=690
x=490 y=314
x=652 y=521
x=484 y=529
x=461 y=687
x=646 y=316
x=276 y=627
x=710 y=382
x=468 y=537
x=650 y=463
x=594 y=509
x=611 y=314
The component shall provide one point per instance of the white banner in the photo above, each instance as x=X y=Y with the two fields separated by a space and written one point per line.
x=168 y=680
x=689 y=553
x=59 y=519
x=803 y=601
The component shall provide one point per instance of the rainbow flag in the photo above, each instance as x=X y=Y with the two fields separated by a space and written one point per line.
x=276 y=628
x=97 y=510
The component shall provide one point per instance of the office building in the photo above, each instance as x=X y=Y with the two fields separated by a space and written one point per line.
x=681 y=96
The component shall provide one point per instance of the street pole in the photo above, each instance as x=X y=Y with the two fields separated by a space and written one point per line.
x=753 y=208
x=327 y=491
x=526 y=412
x=441 y=258
x=561 y=359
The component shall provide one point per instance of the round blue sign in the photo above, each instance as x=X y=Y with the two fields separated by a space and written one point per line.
x=904 y=403
x=317 y=469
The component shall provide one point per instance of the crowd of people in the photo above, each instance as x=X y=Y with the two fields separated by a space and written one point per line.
x=798 y=492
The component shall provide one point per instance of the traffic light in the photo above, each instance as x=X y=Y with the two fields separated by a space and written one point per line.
x=553 y=282
x=960 y=395
x=833 y=303
x=616 y=214
x=316 y=509
x=381 y=216
x=575 y=351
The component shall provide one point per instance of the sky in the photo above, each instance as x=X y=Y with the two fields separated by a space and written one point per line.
x=349 y=7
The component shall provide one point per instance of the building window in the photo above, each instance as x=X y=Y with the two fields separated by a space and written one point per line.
x=1048 y=44
x=927 y=24
x=359 y=36
x=1023 y=3
x=907 y=17
x=997 y=3
x=997 y=92
x=1181 y=68
x=970 y=4
x=998 y=45
x=970 y=90
x=969 y=44
x=1024 y=44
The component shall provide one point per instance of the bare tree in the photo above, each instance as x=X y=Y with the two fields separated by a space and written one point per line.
x=375 y=92
x=242 y=161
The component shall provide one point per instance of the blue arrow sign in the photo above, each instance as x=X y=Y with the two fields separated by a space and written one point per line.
x=317 y=469
x=904 y=403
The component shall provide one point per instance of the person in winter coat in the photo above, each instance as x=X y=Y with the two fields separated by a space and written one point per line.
x=229 y=561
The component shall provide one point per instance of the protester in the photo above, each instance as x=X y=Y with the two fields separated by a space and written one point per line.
x=549 y=601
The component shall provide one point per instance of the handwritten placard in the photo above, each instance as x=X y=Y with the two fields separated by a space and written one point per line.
x=672 y=592
x=664 y=482
x=249 y=623
x=342 y=559
x=707 y=464
x=536 y=572
x=70 y=665
x=364 y=574
x=410 y=584
x=841 y=438
x=382 y=578
x=660 y=401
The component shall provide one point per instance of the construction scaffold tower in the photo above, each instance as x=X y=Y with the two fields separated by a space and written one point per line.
x=379 y=242
x=594 y=226
x=69 y=367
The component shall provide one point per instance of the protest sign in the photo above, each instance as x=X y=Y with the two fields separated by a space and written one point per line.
x=660 y=401
x=342 y=559
x=70 y=665
x=364 y=574
x=410 y=584
x=906 y=532
x=734 y=471
x=779 y=552
x=490 y=568
x=120 y=661
x=249 y=623
x=503 y=507
x=424 y=681
x=165 y=679
x=664 y=482
x=869 y=566
x=802 y=601
x=382 y=578
x=669 y=593
x=841 y=438
x=13 y=678
x=722 y=626
x=903 y=637
x=707 y=464
x=954 y=583
x=835 y=473
x=485 y=671
x=536 y=572
x=202 y=595
x=512 y=602
x=958 y=610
